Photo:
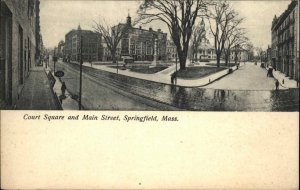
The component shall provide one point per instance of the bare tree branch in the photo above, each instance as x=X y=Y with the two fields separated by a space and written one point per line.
x=180 y=17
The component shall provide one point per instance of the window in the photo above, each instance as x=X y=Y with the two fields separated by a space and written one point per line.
x=149 y=48
x=20 y=43
x=132 y=47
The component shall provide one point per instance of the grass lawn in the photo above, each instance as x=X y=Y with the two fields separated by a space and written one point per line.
x=145 y=69
x=222 y=64
x=197 y=72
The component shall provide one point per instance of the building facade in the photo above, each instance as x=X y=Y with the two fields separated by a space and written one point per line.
x=140 y=44
x=19 y=46
x=60 y=48
x=171 y=51
x=204 y=51
x=239 y=55
x=285 y=41
x=91 y=45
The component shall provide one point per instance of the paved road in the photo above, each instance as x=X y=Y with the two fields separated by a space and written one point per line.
x=248 y=77
x=98 y=93
x=108 y=91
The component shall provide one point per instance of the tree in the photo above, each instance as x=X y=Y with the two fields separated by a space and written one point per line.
x=250 y=50
x=180 y=17
x=260 y=53
x=112 y=35
x=236 y=39
x=221 y=21
x=198 y=35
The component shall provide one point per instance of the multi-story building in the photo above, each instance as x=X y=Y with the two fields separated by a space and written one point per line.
x=285 y=41
x=91 y=45
x=171 y=51
x=19 y=46
x=60 y=48
x=239 y=55
x=204 y=51
x=140 y=44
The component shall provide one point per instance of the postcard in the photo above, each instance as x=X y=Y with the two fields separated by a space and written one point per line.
x=149 y=94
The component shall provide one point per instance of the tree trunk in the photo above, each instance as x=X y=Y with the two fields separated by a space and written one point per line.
x=218 y=58
x=113 y=55
x=227 y=55
x=196 y=50
x=182 y=61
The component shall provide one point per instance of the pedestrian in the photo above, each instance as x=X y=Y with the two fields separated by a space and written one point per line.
x=172 y=79
x=277 y=84
x=63 y=88
x=175 y=78
x=90 y=60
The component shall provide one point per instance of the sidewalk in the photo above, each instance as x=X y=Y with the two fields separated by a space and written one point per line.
x=68 y=103
x=165 y=75
x=284 y=81
x=37 y=93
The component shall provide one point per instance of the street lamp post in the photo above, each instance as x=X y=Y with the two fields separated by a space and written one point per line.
x=80 y=79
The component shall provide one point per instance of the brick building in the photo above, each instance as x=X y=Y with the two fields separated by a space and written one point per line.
x=285 y=41
x=19 y=46
x=139 y=43
x=91 y=45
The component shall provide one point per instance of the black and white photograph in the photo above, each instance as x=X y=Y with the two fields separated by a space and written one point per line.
x=150 y=55
x=149 y=94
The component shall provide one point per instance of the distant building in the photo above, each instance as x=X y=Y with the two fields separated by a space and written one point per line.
x=285 y=41
x=91 y=45
x=171 y=51
x=205 y=51
x=105 y=54
x=239 y=55
x=140 y=43
x=60 y=48
x=19 y=46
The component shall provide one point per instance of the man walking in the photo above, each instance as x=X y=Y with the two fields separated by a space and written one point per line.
x=63 y=88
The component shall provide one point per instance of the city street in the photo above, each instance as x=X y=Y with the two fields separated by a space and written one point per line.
x=247 y=77
x=100 y=94
x=103 y=90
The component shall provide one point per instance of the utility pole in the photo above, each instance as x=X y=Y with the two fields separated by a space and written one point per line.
x=80 y=79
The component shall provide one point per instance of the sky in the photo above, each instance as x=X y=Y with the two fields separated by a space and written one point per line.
x=58 y=17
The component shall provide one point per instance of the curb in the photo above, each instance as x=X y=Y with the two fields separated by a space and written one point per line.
x=228 y=72
x=52 y=81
